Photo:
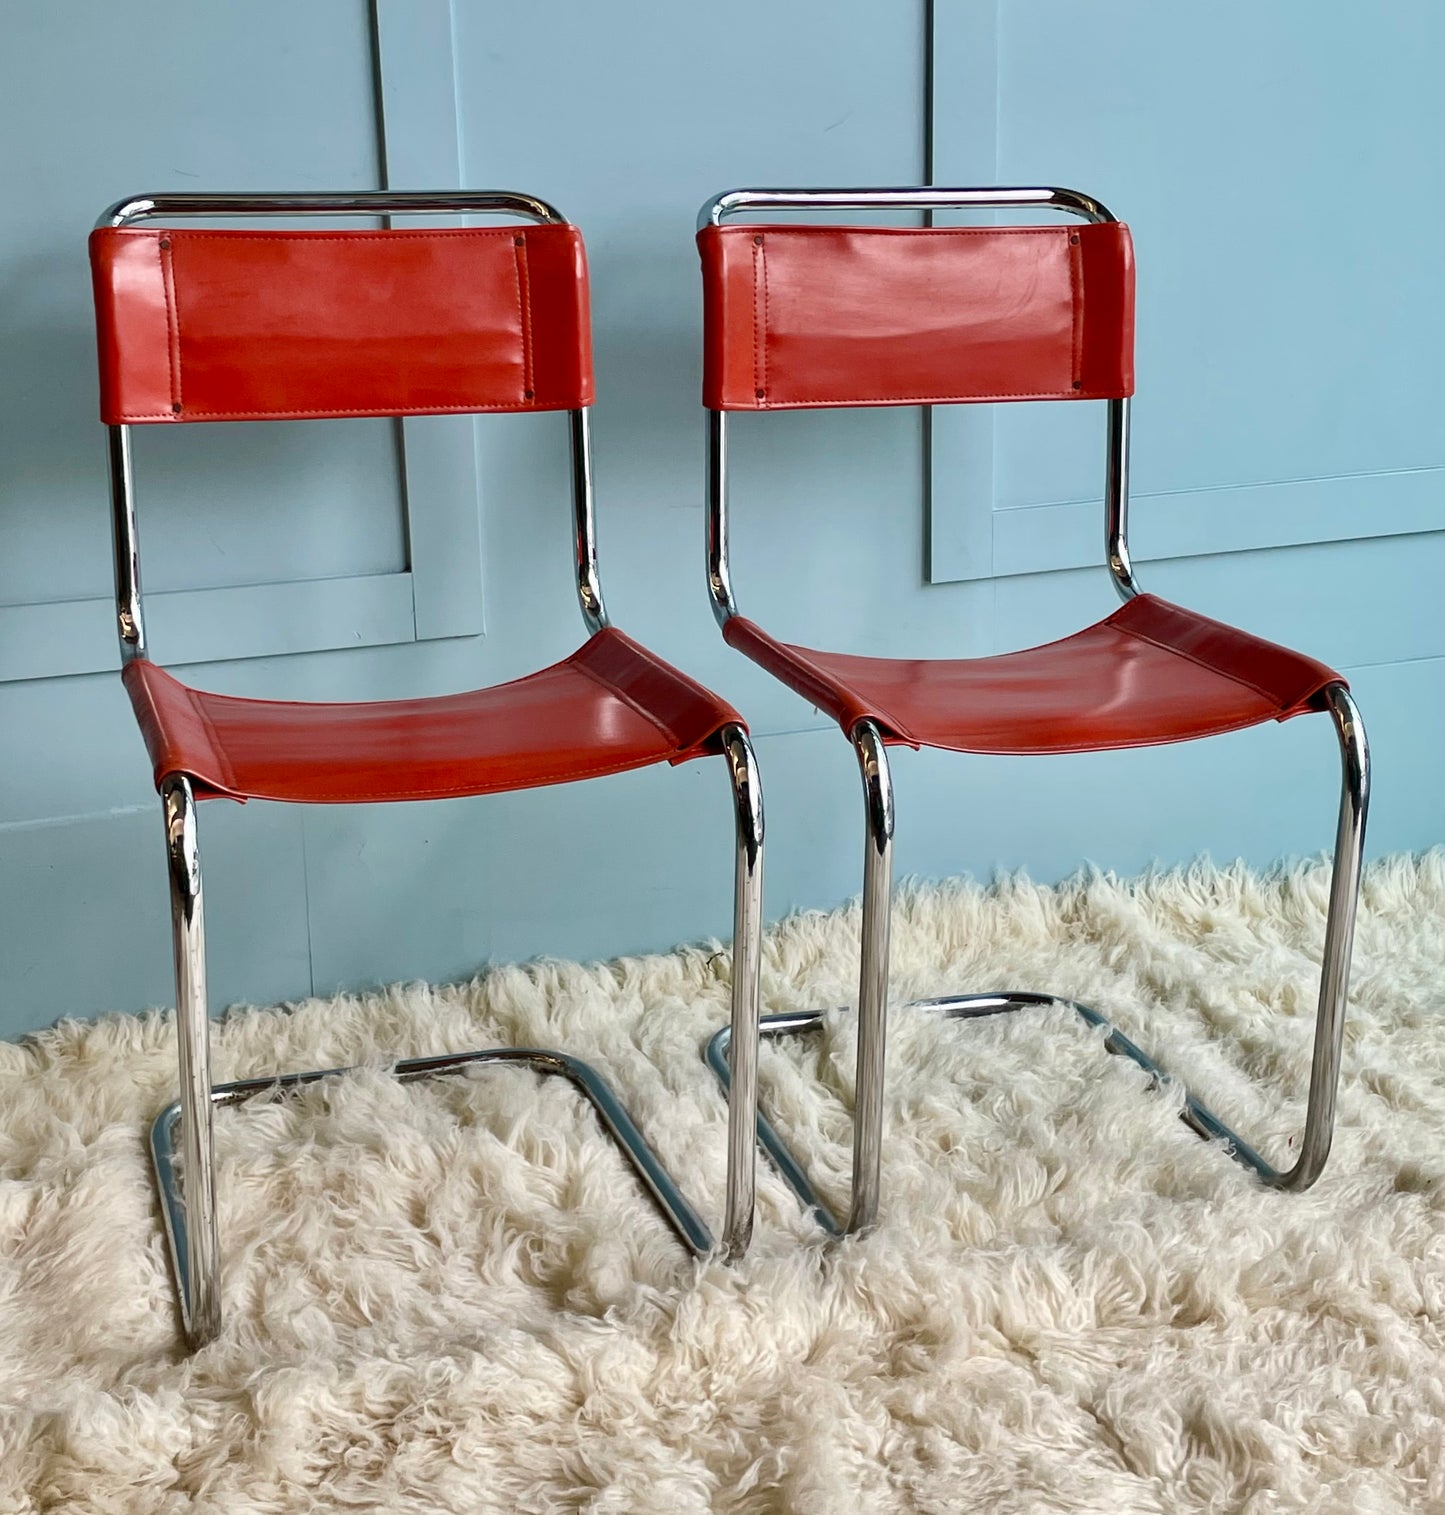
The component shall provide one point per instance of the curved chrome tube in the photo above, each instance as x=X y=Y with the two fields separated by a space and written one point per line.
x=719 y=577
x=377 y=202
x=743 y=1037
x=1329 y=1021
x=1116 y=500
x=1198 y=1117
x=1039 y=197
x=196 y=1250
x=873 y=973
x=199 y=1286
x=125 y=542
x=1339 y=940
x=584 y=525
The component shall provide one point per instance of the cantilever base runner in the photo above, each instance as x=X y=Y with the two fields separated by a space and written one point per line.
x=1199 y=1118
x=669 y=1199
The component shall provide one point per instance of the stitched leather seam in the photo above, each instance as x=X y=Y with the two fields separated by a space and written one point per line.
x=1244 y=723
x=681 y=682
x=193 y=414
x=480 y=233
x=675 y=677
x=173 y=324
x=678 y=681
x=612 y=689
x=550 y=777
x=1199 y=662
x=929 y=399
x=217 y=746
x=763 y=264
x=1076 y=301
x=452 y=791
x=760 y=321
x=524 y=312
x=827 y=684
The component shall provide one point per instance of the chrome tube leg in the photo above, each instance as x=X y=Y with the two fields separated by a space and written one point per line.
x=743 y=1041
x=1339 y=940
x=197 y=1254
x=673 y=1204
x=1329 y=1023
x=873 y=975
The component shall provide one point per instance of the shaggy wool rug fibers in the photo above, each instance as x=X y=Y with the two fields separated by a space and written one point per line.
x=454 y=1296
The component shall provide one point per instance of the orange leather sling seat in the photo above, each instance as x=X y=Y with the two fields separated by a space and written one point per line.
x=288 y=325
x=609 y=707
x=1151 y=673
x=798 y=317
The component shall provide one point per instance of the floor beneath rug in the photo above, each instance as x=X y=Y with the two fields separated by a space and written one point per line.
x=454 y=1296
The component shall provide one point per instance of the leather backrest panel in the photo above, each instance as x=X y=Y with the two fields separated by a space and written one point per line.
x=285 y=325
x=797 y=316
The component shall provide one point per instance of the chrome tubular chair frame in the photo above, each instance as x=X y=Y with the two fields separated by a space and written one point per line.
x=878 y=794
x=669 y=1198
x=187 y=1188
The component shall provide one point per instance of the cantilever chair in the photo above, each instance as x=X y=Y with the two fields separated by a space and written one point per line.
x=224 y=325
x=822 y=315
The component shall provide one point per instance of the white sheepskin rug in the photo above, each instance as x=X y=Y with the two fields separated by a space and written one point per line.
x=455 y=1297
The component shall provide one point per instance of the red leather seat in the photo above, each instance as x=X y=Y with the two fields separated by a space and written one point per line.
x=611 y=706
x=1151 y=673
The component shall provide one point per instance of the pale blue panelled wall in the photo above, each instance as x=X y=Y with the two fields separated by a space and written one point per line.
x=1282 y=169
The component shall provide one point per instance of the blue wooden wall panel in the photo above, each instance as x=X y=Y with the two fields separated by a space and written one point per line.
x=271 y=92
x=86 y=912
x=644 y=113
x=1281 y=169
x=216 y=500
x=351 y=91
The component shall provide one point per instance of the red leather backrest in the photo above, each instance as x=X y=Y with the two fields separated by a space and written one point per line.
x=798 y=316
x=283 y=325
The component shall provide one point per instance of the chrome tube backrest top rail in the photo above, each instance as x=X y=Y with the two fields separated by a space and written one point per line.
x=369 y=202
x=130 y=620
x=1000 y=197
x=925 y=199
